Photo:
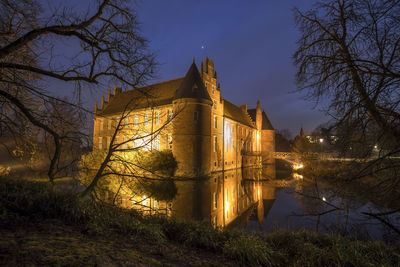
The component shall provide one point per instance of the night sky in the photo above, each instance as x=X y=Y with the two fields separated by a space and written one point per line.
x=250 y=42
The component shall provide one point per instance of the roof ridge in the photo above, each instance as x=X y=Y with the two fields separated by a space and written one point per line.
x=154 y=84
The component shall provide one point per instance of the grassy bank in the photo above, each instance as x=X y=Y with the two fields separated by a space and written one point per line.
x=40 y=227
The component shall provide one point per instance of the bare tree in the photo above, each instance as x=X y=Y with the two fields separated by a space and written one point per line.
x=132 y=163
x=348 y=56
x=97 y=46
x=349 y=53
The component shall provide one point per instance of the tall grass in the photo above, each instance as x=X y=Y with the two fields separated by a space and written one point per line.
x=23 y=202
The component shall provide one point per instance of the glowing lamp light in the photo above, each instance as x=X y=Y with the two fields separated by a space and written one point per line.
x=376 y=147
x=297 y=176
x=298 y=166
x=321 y=140
x=323 y=199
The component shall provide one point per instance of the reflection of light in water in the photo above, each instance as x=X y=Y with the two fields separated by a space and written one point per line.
x=323 y=199
x=297 y=176
x=298 y=166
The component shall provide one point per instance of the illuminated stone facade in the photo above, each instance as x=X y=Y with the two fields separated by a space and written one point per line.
x=206 y=132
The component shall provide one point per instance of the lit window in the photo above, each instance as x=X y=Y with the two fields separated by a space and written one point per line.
x=157 y=117
x=215 y=121
x=215 y=143
x=169 y=139
x=215 y=200
x=125 y=142
x=136 y=120
x=146 y=119
x=215 y=104
x=101 y=125
x=108 y=141
x=142 y=142
x=170 y=114
x=228 y=136
x=109 y=124
x=136 y=142
x=156 y=142
x=100 y=142
x=195 y=115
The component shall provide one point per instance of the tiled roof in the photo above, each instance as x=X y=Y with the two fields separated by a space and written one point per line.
x=192 y=85
x=266 y=123
x=235 y=113
x=151 y=95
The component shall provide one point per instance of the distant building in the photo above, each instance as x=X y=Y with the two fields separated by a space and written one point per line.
x=206 y=132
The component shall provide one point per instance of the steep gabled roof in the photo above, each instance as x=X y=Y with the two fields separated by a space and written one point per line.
x=235 y=113
x=192 y=85
x=266 y=123
x=148 y=96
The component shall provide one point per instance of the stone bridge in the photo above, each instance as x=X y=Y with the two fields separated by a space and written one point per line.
x=294 y=158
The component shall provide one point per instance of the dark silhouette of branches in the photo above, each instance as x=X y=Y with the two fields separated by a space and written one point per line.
x=104 y=46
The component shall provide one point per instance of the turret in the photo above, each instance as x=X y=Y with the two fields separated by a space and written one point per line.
x=191 y=126
x=258 y=116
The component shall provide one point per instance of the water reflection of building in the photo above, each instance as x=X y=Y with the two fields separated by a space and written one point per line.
x=226 y=198
x=219 y=200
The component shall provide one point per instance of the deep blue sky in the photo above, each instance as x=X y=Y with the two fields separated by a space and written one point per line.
x=250 y=42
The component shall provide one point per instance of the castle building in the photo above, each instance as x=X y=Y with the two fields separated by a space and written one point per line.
x=188 y=115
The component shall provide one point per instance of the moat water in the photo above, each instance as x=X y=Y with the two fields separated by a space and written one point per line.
x=268 y=199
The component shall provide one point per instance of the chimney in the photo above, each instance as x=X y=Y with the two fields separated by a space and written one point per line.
x=244 y=107
x=102 y=101
x=109 y=94
x=117 y=90
x=95 y=107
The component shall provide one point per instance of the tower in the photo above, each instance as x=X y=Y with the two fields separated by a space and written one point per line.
x=191 y=126
x=210 y=80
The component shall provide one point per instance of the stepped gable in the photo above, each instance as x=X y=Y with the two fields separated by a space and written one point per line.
x=235 y=113
x=149 y=96
x=266 y=123
x=252 y=113
x=192 y=85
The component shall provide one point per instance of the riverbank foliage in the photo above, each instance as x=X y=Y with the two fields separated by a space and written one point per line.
x=41 y=226
x=131 y=173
